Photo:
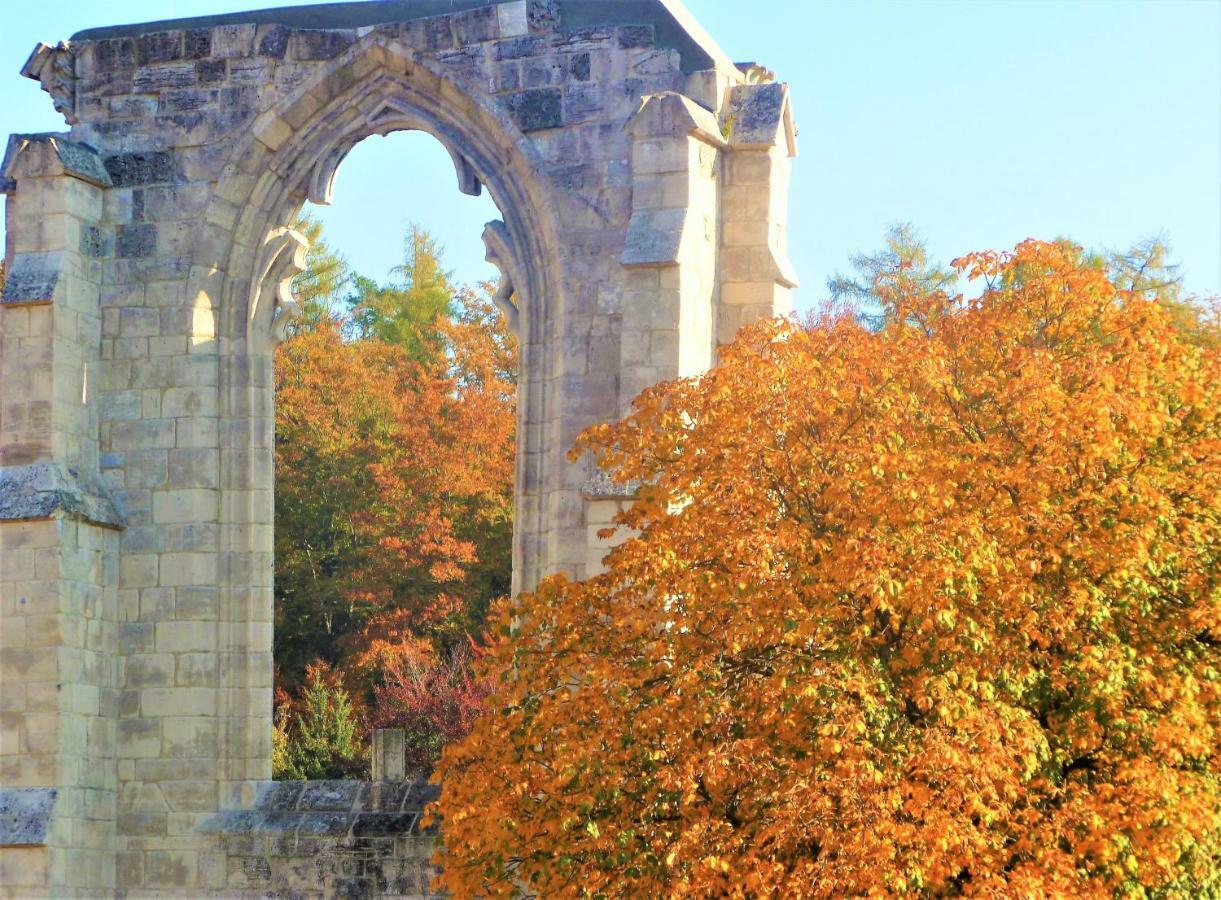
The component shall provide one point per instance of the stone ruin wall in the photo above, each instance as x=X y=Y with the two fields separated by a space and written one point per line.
x=641 y=178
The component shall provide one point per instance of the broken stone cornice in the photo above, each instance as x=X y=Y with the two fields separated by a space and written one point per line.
x=54 y=67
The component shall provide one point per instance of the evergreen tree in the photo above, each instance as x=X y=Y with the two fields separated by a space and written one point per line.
x=317 y=737
x=326 y=275
x=407 y=310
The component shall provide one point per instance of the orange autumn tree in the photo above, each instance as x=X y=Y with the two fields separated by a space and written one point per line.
x=394 y=491
x=930 y=609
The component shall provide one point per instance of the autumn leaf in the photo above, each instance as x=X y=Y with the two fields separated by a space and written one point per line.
x=928 y=608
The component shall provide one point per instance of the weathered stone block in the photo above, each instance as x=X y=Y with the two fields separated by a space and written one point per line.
x=94 y=242
x=31 y=279
x=329 y=824
x=279 y=795
x=165 y=77
x=177 y=701
x=131 y=169
x=132 y=436
x=579 y=67
x=308 y=46
x=170 y=868
x=199 y=603
x=477 y=25
x=138 y=570
x=185 y=636
x=197 y=669
x=25 y=819
x=273 y=42
x=118 y=53
x=197 y=43
x=139 y=737
x=521 y=47
x=537 y=109
x=632 y=36
x=388 y=754
x=159 y=47
x=583 y=38
x=134 y=241
x=437 y=34
x=190 y=796
x=211 y=71
x=330 y=795
x=190 y=505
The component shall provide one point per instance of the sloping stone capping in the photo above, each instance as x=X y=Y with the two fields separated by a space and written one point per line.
x=79 y=160
x=25 y=816
x=43 y=490
x=641 y=178
x=331 y=839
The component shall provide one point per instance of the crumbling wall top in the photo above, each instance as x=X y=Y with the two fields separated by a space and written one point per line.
x=674 y=27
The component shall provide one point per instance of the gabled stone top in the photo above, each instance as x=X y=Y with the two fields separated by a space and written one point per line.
x=760 y=115
x=79 y=160
x=672 y=24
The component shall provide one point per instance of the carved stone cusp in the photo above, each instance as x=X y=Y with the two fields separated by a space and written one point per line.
x=468 y=181
x=322 y=180
x=756 y=73
x=499 y=252
x=394 y=115
x=55 y=69
x=282 y=259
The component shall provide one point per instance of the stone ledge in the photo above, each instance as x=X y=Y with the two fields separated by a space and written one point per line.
x=44 y=490
x=340 y=809
x=25 y=816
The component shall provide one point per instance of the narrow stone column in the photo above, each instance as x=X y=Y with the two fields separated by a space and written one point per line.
x=52 y=321
x=670 y=272
x=671 y=249
x=389 y=754
x=58 y=529
x=756 y=276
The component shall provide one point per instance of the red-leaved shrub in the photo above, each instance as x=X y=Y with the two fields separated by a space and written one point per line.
x=434 y=698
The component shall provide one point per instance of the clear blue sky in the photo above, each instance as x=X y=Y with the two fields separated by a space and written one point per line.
x=981 y=122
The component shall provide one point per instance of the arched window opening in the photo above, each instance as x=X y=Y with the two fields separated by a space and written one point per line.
x=395 y=438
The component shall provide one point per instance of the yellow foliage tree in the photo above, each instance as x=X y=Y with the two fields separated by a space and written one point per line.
x=932 y=610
